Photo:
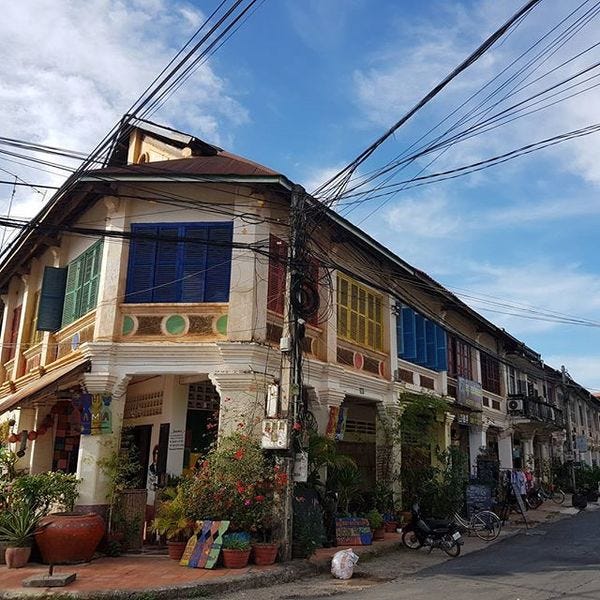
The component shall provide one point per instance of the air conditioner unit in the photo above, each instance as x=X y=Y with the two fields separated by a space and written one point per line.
x=515 y=404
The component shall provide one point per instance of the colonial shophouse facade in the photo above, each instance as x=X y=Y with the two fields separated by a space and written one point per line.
x=150 y=297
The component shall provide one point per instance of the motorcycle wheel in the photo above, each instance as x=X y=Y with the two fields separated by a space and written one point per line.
x=558 y=496
x=410 y=540
x=450 y=546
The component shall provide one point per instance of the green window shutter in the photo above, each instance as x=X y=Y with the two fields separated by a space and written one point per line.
x=72 y=289
x=90 y=275
x=52 y=298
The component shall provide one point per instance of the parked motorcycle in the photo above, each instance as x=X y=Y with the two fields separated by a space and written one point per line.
x=432 y=533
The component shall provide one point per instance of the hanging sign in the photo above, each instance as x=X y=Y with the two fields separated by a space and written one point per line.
x=176 y=439
x=275 y=434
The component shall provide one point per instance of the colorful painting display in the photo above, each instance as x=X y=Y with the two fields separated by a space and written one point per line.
x=203 y=548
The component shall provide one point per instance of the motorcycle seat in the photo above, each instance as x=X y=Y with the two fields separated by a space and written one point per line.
x=439 y=524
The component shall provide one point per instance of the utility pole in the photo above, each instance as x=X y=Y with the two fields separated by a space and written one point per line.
x=291 y=347
x=565 y=391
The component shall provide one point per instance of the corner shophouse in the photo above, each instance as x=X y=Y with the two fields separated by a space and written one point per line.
x=130 y=329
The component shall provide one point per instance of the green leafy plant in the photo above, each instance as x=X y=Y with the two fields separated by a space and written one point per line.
x=44 y=492
x=171 y=518
x=236 y=543
x=18 y=524
x=308 y=531
x=375 y=519
x=348 y=482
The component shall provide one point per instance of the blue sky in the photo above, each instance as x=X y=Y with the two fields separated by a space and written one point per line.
x=304 y=86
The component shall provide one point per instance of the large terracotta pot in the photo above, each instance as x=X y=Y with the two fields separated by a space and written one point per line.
x=17 y=557
x=67 y=538
x=379 y=533
x=176 y=549
x=235 y=559
x=391 y=526
x=3 y=547
x=264 y=554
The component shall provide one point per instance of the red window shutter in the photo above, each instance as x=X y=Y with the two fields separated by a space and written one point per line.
x=14 y=332
x=278 y=250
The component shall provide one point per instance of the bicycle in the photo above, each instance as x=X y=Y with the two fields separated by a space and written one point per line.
x=551 y=492
x=486 y=524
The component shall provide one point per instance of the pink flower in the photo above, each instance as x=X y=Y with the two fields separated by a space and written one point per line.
x=247 y=502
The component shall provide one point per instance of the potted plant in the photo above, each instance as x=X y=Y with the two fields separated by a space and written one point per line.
x=236 y=552
x=376 y=523
x=16 y=531
x=172 y=522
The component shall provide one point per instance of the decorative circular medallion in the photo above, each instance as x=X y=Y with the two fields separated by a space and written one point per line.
x=176 y=325
x=358 y=360
x=222 y=325
x=128 y=325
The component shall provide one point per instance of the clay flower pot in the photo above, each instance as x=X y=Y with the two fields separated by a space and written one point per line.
x=264 y=553
x=68 y=538
x=235 y=559
x=379 y=533
x=176 y=549
x=391 y=526
x=17 y=557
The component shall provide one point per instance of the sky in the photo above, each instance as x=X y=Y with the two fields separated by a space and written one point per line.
x=304 y=86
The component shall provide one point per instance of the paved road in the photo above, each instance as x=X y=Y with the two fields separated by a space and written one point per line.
x=559 y=560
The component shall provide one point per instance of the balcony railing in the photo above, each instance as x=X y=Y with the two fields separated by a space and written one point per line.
x=535 y=409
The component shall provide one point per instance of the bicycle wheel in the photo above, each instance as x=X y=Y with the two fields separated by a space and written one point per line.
x=450 y=546
x=410 y=540
x=486 y=525
x=558 y=496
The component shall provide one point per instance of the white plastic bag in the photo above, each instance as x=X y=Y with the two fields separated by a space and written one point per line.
x=342 y=564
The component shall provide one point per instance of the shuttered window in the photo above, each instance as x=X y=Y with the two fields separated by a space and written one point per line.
x=81 y=291
x=14 y=332
x=35 y=336
x=459 y=359
x=420 y=340
x=359 y=314
x=52 y=299
x=490 y=373
x=278 y=250
x=179 y=262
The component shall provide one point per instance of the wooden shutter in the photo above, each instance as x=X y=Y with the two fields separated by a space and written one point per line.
x=90 y=275
x=278 y=251
x=343 y=324
x=194 y=264
x=218 y=263
x=167 y=277
x=14 y=332
x=421 y=358
x=441 y=349
x=408 y=332
x=72 y=290
x=142 y=258
x=430 y=344
x=52 y=298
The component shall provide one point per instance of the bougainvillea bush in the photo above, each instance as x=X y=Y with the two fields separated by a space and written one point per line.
x=238 y=482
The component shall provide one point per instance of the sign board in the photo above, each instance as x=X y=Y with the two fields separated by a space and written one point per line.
x=177 y=439
x=470 y=393
x=300 y=472
x=275 y=434
x=353 y=531
x=581 y=443
x=478 y=497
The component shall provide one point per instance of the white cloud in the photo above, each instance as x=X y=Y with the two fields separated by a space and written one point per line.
x=71 y=69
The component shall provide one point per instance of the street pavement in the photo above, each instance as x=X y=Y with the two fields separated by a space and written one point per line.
x=555 y=560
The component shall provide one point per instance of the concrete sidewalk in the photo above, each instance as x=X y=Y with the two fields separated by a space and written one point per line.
x=150 y=577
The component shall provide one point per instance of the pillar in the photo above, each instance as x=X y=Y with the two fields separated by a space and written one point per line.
x=528 y=455
x=242 y=406
x=505 y=447
x=25 y=422
x=42 y=448
x=448 y=420
x=477 y=440
x=94 y=487
x=175 y=403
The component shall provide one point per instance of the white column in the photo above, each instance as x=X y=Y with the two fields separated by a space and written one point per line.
x=527 y=445
x=505 y=449
x=175 y=403
x=42 y=448
x=477 y=440
x=94 y=487
x=25 y=423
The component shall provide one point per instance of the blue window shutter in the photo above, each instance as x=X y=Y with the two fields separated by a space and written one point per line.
x=430 y=343
x=52 y=298
x=169 y=265
x=420 y=335
x=399 y=336
x=441 y=349
x=142 y=258
x=408 y=333
x=218 y=263
x=194 y=264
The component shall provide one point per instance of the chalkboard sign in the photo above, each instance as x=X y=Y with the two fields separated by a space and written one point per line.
x=478 y=497
x=353 y=531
